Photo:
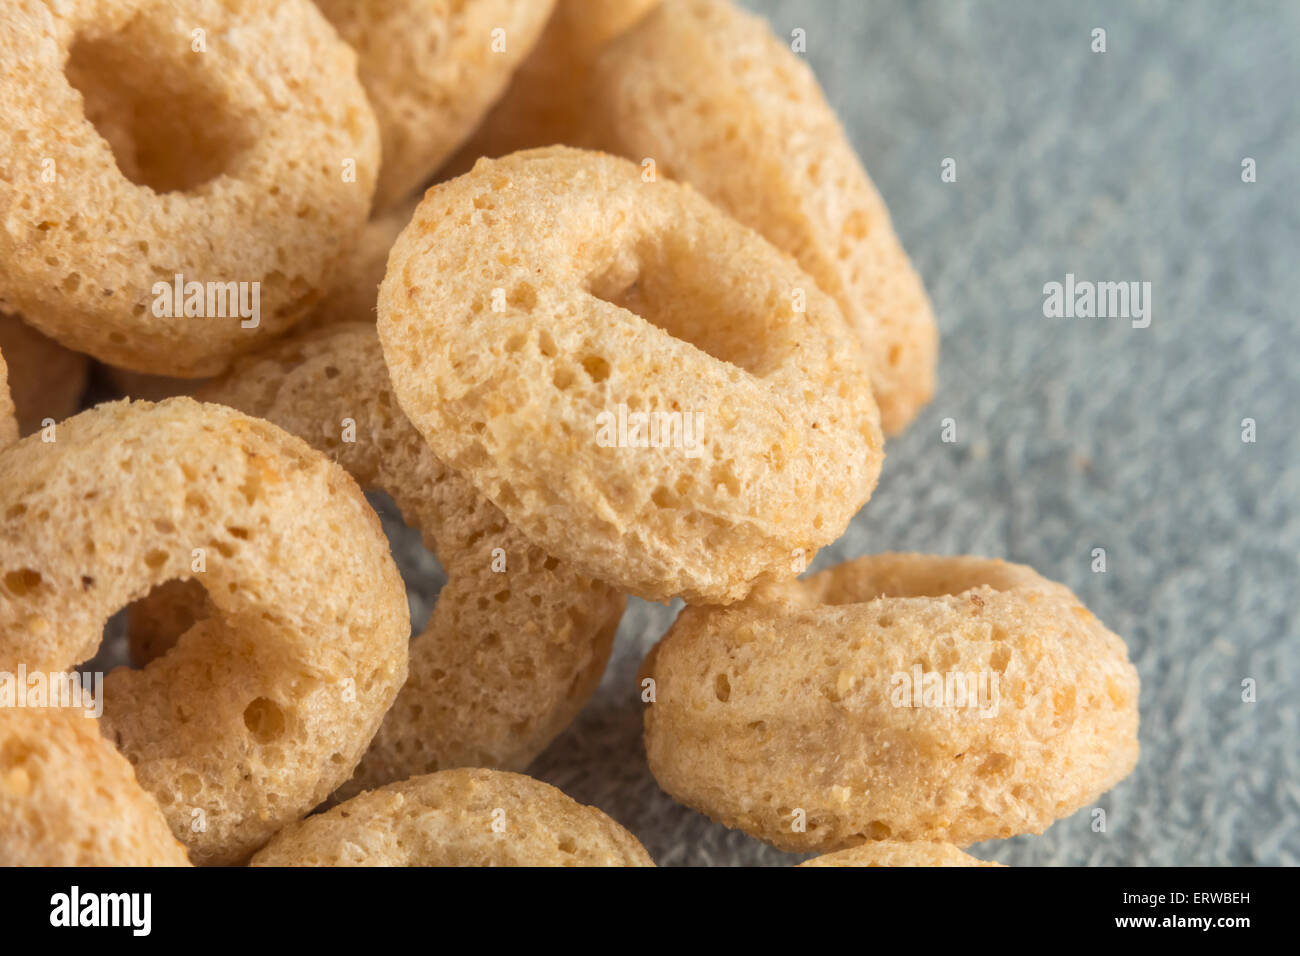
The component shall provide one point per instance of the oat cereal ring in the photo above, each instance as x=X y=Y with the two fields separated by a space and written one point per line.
x=897 y=853
x=8 y=420
x=545 y=103
x=718 y=101
x=800 y=699
x=457 y=818
x=67 y=798
x=512 y=322
x=517 y=641
x=432 y=68
x=228 y=144
x=257 y=714
x=46 y=379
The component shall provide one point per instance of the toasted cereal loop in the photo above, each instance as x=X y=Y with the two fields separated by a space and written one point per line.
x=432 y=68
x=898 y=853
x=227 y=144
x=718 y=101
x=67 y=798
x=546 y=101
x=45 y=378
x=457 y=818
x=537 y=308
x=517 y=641
x=8 y=420
x=791 y=716
x=258 y=713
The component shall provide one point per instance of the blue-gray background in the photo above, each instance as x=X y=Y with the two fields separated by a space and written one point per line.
x=1075 y=434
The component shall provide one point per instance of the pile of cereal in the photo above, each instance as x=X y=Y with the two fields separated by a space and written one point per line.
x=644 y=334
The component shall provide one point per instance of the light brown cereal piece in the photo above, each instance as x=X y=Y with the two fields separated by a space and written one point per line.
x=792 y=716
x=898 y=853
x=538 y=303
x=223 y=143
x=718 y=101
x=457 y=818
x=8 y=420
x=517 y=641
x=545 y=103
x=67 y=798
x=258 y=713
x=45 y=378
x=432 y=68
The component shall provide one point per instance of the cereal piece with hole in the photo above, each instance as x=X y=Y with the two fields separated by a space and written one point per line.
x=229 y=145
x=457 y=818
x=898 y=853
x=260 y=711
x=626 y=373
x=898 y=696
x=718 y=101
x=517 y=641
x=432 y=69
x=67 y=798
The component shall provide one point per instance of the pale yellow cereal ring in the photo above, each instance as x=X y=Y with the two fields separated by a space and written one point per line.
x=229 y=144
x=457 y=818
x=517 y=641
x=818 y=715
x=432 y=68
x=536 y=304
x=717 y=100
x=67 y=798
x=260 y=712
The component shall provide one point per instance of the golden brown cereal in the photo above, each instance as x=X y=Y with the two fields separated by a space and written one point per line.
x=538 y=303
x=432 y=68
x=791 y=717
x=256 y=714
x=517 y=641
x=67 y=798
x=717 y=100
x=457 y=818
x=545 y=103
x=8 y=420
x=223 y=143
x=45 y=378
x=897 y=853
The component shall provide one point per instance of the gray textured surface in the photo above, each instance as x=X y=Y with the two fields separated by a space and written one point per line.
x=1079 y=433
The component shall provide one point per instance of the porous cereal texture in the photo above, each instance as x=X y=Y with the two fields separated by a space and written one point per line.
x=67 y=798
x=791 y=716
x=897 y=853
x=537 y=304
x=718 y=101
x=45 y=379
x=432 y=69
x=457 y=818
x=138 y=149
x=546 y=101
x=354 y=288
x=259 y=712
x=518 y=640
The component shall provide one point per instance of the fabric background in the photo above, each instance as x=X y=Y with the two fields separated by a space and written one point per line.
x=1078 y=433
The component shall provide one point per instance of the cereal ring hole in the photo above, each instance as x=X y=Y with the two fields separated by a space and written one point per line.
x=161 y=115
